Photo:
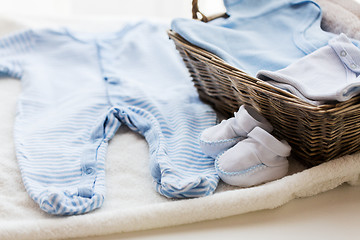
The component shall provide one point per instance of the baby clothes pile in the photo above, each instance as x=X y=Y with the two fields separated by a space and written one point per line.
x=276 y=40
x=77 y=89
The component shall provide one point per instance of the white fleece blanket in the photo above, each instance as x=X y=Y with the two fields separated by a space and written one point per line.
x=132 y=204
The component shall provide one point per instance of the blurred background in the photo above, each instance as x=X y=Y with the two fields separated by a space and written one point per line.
x=123 y=8
x=80 y=9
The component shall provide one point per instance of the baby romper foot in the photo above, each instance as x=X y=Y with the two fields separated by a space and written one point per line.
x=257 y=159
x=219 y=138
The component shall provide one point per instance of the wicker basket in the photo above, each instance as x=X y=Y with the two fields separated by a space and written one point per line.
x=316 y=133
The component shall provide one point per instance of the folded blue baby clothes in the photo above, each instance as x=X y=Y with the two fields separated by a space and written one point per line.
x=331 y=73
x=259 y=35
x=77 y=89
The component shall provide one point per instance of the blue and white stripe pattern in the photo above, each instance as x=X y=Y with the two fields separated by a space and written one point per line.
x=77 y=91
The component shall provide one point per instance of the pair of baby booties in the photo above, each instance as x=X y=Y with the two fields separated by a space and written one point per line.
x=245 y=152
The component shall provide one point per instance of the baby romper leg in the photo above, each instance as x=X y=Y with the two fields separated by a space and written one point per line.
x=61 y=128
x=61 y=152
x=177 y=164
x=150 y=88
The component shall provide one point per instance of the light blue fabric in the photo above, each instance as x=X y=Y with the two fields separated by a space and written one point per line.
x=259 y=35
x=78 y=89
x=329 y=74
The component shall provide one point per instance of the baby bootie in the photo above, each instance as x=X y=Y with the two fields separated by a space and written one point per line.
x=219 y=138
x=257 y=159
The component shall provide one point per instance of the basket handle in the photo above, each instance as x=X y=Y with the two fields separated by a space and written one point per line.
x=196 y=12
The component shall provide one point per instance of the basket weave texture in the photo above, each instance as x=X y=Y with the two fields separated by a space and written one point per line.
x=316 y=133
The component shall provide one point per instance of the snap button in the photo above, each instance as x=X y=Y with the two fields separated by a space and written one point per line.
x=89 y=171
x=353 y=66
x=343 y=53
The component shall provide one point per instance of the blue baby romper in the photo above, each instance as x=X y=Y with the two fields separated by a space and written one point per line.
x=76 y=92
x=259 y=34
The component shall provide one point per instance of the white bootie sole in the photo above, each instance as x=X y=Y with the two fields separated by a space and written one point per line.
x=252 y=176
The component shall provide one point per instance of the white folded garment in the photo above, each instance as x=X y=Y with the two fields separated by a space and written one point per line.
x=328 y=74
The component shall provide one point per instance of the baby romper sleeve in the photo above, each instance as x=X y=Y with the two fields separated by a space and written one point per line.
x=12 y=51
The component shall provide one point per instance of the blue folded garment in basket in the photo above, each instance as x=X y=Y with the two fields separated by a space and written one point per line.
x=259 y=35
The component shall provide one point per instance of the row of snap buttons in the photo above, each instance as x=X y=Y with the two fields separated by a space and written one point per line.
x=343 y=53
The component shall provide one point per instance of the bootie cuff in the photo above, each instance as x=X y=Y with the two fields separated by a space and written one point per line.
x=247 y=118
x=281 y=148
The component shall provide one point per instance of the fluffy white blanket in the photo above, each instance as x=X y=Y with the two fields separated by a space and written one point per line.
x=132 y=203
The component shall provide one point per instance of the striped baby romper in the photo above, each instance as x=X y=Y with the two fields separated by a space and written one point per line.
x=77 y=90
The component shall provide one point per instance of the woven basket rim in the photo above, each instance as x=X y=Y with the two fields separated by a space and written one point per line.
x=317 y=133
x=270 y=89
